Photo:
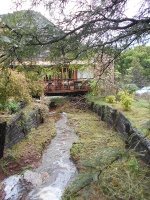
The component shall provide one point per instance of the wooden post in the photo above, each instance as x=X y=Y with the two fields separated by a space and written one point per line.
x=54 y=81
x=75 y=75
x=62 y=78
x=67 y=77
x=67 y=73
x=2 y=137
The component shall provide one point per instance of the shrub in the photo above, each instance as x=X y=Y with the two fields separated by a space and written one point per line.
x=13 y=84
x=111 y=99
x=131 y=88
x=126 y=99
x=120 y=94
x=35 y=87
x=95 y=87
x=13 y=106
x=19 y=87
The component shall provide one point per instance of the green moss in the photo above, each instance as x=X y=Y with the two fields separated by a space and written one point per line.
x=30 y=149
x=106 y=169
x=139 y=114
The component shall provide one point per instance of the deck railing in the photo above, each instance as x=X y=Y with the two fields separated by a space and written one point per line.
x=64 y=85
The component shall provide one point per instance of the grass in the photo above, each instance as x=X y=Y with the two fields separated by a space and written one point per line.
x=5 y=116
x=28 y=152
x=139 y=114
x=93 y=133
x=106 y=169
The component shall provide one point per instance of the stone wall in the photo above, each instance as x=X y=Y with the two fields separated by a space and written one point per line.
x=132 y=137
x=2 y=137
x=20 y=126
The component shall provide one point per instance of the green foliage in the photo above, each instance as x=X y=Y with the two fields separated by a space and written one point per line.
x=93 y=83
x=36 y=87
x=142 y=53
x=131 y=88
x=116 y=173
x=95 y=86
x=13 y=85
x=134 y=66
x=134 y=165
x=126 y=102
x=126 y=99
x=13 y=106
x=75 y=151
x=93 y=143
x=29 y=150
x=135 y=73
x=24 y=27
x=125 y=181
x=139 y=114
x=111 y=99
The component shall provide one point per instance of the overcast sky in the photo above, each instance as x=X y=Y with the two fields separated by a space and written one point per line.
x=7 y=7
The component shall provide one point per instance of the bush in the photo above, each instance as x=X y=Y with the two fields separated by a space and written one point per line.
x=35 y=87
x=111 y=99
x=126 y=99
x=120 y=94
x=13 y=106
x=131 y=88
x=13 y=85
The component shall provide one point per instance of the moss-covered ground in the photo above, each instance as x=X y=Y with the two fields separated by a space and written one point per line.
x=28 y=152
x=107 y=170
x=139 y=114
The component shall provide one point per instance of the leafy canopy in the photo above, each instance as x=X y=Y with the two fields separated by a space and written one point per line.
x=134 y=65
x=102 y=27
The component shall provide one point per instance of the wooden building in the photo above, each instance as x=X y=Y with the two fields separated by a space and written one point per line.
x=66 y=81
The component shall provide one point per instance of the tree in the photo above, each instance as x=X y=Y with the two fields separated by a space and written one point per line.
x=142 y=53
x=18 y=31
x=100 y=27
x=136 y=73
x=134 y=65
x=13 y=85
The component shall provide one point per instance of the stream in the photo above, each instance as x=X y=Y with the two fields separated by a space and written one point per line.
x=55 y=172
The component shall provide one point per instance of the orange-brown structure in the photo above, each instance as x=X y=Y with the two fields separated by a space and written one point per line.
x=65 y=81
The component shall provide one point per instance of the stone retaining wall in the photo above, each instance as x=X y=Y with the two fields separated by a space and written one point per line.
x=20 y=126
x=2 y=137
x=132 y=137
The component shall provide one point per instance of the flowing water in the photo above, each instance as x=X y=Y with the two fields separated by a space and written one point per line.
x=56 y=164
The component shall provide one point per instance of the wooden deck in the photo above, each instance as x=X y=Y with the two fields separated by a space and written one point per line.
x=66 y=92
x=66 y=87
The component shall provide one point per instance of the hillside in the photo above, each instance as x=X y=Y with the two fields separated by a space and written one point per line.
x=28 y=26
x=28 y=21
